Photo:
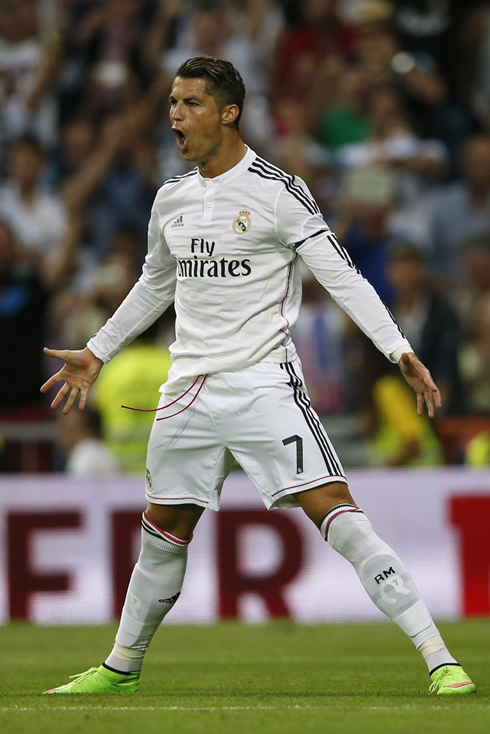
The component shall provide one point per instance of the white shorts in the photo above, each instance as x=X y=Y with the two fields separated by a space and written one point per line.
x=262 y=417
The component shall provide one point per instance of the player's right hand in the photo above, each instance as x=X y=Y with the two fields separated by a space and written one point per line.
x=80 y=370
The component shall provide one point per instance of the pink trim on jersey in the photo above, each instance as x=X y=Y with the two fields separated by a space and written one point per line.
x=288 y=283
x=164 y=417
x=331 y=477
x=163 y=407
x=167 y=536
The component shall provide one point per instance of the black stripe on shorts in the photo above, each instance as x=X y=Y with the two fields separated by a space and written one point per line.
x=318 y=432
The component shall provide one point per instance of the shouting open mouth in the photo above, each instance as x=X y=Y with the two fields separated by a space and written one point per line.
x=181 y=139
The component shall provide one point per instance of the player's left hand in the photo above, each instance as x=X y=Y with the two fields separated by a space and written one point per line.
x=418 y=376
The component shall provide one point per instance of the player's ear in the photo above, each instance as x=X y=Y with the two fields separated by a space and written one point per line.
x=229 y=114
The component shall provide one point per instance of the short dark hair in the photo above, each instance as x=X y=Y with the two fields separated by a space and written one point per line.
x=223 y=81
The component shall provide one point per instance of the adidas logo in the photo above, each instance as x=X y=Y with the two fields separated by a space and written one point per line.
x=179 y=222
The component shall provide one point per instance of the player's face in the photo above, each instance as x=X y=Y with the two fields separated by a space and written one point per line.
x=195 y=119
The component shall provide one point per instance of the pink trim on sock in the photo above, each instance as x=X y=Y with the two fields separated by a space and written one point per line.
x=336 y=514
x=167 y=536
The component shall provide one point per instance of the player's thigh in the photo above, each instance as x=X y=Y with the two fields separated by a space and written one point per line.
x=280 y=441
x=186 y=461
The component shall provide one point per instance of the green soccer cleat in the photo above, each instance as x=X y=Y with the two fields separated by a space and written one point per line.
x=451 y=680
x=100 y=680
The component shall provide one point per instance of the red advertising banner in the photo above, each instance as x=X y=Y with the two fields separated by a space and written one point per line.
x=67 y=549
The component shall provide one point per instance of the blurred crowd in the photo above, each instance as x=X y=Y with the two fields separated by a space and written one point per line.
x=382 y=107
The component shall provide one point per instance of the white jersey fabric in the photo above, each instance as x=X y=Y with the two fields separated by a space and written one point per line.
x=226 y=251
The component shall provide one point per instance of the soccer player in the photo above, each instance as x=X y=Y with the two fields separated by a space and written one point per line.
x=224 y=244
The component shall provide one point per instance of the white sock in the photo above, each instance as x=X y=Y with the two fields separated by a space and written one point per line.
x=153 y=589
x=385 y=578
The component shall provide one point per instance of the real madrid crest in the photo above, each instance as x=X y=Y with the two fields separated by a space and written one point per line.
x=243 y=222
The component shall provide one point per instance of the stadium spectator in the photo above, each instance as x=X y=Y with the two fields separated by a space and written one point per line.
x=386 y=416
x=367 y=198
x=461 y=210
x=475 y=259
x=415 y=165
x=79 y=312
x=86 y=454
x=27 y=104
x=37 y=216
x=384 y=60
x=323 y=34
x=429 y=322
x=338 y=104
x=116 y=184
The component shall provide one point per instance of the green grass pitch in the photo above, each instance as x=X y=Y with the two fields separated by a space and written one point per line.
x=282 y=677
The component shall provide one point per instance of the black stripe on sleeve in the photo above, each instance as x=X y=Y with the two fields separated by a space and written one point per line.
x=290 y=179
x=310 y=237
x=296 y=191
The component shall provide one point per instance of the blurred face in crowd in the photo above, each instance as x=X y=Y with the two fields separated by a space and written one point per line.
x=18 y=20
x=26 y=163
x=78 y=143
x=385 y=109
x=406 y=273
x=475 y=259
x=195 y=119
x=123 y=9
x=476 y=161
x=210 y=31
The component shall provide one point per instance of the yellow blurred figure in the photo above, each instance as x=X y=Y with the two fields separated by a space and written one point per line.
x=132 y=378
x=402 y=438
x=478 y=450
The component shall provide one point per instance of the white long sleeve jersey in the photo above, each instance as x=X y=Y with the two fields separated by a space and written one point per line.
x=226 y=251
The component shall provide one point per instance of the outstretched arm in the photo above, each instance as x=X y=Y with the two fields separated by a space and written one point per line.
x=419 y=378
x=78 y=374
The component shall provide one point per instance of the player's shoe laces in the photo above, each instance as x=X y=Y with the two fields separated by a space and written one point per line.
x=450 y=680
x=100 y=680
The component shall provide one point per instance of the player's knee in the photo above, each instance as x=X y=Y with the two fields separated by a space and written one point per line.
x=321 y=500
x=179 y=520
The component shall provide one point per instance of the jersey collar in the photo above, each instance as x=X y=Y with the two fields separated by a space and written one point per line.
x=232 y=173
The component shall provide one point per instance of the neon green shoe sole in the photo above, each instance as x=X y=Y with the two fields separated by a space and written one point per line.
x=100 y=680
x=451 y=680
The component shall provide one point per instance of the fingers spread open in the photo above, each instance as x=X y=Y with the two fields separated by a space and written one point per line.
x=60 y=395
x=71 y=399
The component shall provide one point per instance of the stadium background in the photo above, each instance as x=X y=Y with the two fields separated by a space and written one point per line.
x=383 y=108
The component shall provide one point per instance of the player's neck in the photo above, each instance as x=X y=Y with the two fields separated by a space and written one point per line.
x=228 y=155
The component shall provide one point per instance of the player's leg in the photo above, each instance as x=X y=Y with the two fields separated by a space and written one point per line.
x=154 y=587
x=186 y=469
x=385 y=578
x=156 y=581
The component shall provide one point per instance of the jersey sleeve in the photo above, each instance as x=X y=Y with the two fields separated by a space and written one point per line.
x=297 y=216
x=300 y=226
x=148 y=299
